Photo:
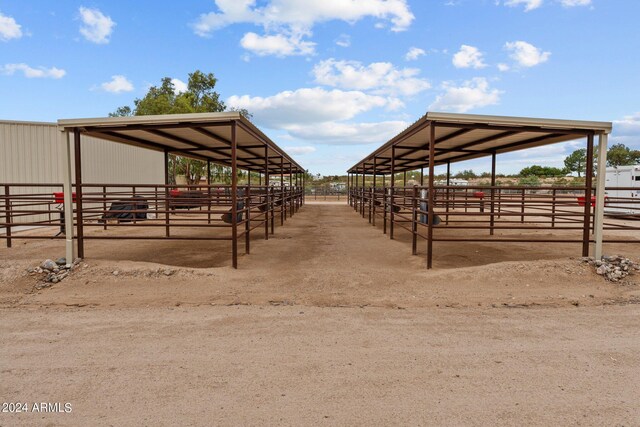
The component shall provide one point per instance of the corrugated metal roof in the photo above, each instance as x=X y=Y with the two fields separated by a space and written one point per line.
x=460 y=137
x=205 y=136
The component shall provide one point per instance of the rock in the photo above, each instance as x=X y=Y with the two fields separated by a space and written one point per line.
x=38 y=270
x=116 y=273
x=48 y=265
x=55 y=279
x=31 y=270
x=69 y=266
x=601 y=270
x=61 y=261
x=168 y=272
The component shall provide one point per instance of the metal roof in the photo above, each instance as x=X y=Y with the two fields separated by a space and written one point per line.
x=204 y=136
x=460 y=137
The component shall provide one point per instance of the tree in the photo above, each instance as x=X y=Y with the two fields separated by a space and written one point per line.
x=542 y=171
x=466 y=174
x=576 y=161
x=621 y=155
x=200 y=97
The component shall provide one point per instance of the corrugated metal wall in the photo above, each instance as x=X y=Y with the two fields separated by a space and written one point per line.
x=30 y=152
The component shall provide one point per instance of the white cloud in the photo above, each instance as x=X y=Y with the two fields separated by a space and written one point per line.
x=96 y=26
x=300 y=150
x=9 y=28
x=529 y=5
x=179 y=86
x=302 y=14
x=472 y=94
x=32 y=73
x=348 y=133
x=344 y=40
x=381 y=78
x=573 y=3
x=503 y=67
x=279 y=44
x=414 y=53
x=526 y=54
x=468 y=57
x=627 y=131
x=117 y=84
x=305 y=106
x=286 y=22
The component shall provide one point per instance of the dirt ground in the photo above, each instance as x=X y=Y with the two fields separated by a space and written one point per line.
x=327 y=322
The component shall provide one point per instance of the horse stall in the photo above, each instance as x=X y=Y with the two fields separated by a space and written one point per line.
x=442 y=212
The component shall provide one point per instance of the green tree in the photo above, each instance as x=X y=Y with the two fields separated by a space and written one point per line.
x=200 y=97
x=466 y=174
x=576 y=161
x=621 y=155
x=542 y=171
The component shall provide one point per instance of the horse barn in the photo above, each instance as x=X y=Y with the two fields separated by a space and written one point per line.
x=490 y=213
x=140 y=203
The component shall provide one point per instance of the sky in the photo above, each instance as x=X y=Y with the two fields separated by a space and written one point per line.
x=330 y=81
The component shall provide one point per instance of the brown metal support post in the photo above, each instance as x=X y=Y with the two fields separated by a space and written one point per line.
x=7 y=214
x=422 y=176
x=78 y=168
x=267 y=209
x=404 y=178
x=104 y=204
x=234 y=196
x=247 y=224
x=432 y=198
x=208 y=192
x=392 y=189
x=384 y=204
x=349 y=188
x=522 y=206
x=493 y=194
x=587 y=196
x=283 y=210
x=166 y=192
x=290 y=190
x=553 y=208
x=414 y=221
x=363 y=193
x=355 y=200
x=373 y=193
x=446 y=221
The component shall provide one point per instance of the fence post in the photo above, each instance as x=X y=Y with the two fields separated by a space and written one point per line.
x=522 y=208
x=272 y=209
x=7 y=214
x=104 y=206
x=374 y=196
x=553 y=208
x=370 y=203
x=247 y=227
x=414 y=221
x=384 y=210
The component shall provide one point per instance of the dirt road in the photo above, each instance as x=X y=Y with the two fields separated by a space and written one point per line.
x=324 y=366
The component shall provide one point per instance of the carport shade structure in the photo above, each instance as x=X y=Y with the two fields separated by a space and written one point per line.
x=227 y=139
x=445 y=138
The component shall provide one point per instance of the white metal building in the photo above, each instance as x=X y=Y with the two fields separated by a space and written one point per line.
x=31 y=152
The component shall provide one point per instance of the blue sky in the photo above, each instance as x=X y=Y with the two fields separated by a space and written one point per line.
x=331 y=80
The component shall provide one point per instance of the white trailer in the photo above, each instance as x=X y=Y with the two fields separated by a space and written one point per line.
x=622 y=190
